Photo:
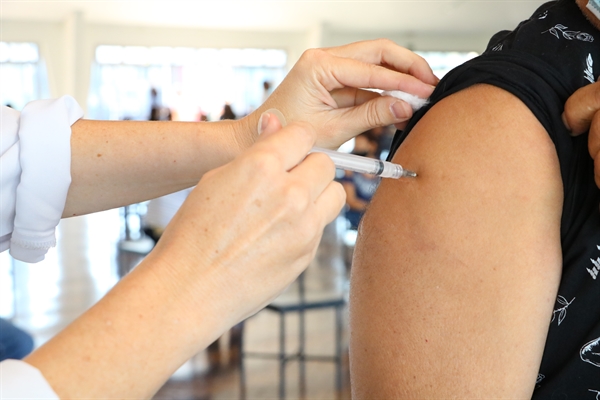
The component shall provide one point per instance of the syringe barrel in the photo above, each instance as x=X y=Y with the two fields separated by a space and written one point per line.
x=362 y=164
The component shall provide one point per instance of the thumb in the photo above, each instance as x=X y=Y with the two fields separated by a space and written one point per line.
x=270 y=122
x=581 y=108
x=379 y=111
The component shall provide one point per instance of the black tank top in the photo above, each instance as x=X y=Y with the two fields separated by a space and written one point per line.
x=542 y=62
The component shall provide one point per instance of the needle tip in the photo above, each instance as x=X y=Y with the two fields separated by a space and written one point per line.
x=409 y=174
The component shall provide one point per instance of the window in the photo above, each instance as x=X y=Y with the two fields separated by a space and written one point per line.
x=188 y=81
x=443 y=61
x=23 y=74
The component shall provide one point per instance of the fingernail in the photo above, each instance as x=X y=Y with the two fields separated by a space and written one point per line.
x=263 y=122
x=277 y=115
x=564 y=119
x=401 y=110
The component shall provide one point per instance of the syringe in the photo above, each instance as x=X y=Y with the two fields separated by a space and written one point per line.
x=353 y=162
x=365 y=165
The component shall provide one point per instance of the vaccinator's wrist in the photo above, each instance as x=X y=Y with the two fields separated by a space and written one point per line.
x=246 y=130
x=192 y=296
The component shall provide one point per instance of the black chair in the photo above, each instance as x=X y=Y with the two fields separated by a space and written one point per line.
x=301 y=305
x=136 y=245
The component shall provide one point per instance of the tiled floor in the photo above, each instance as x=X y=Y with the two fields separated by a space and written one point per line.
x=43 y=298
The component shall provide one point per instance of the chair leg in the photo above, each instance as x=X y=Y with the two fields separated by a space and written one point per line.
x=242 y=370
x=338 y=350
x=302 y=353
x=282 y=356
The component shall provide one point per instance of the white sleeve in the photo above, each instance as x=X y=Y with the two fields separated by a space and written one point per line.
x=38 y=162
x=10 y=172
x=19 y=380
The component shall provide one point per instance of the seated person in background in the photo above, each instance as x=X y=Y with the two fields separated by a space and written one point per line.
x=360 y=187
x=479 y=278
x=14 y=343
x=383 y=135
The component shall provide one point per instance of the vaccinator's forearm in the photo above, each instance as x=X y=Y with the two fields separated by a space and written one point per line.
x=114 y=163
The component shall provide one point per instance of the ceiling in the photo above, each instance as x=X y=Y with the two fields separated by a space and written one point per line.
x=456 y=16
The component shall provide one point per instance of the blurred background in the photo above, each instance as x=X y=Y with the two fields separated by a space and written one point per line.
x=205 y=61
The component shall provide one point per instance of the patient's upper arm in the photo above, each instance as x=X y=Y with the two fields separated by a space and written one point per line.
x=455 y=273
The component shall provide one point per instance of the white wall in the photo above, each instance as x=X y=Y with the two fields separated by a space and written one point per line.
x=68 y=47
x=421 y=42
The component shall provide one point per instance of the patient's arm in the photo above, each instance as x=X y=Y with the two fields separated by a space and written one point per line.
x=455 y=273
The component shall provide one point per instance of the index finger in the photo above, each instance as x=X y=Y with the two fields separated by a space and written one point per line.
x=581 y=107
x=343 y=71
x=387 y=53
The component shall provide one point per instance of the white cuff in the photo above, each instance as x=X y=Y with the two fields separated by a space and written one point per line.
x=19 y=380
x=45 y=157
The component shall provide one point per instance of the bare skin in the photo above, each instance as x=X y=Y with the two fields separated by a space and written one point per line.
x=582 y=114
x=247 y=230
x=446 y=299
x=582 y=111
x=202 y=277
x=445 y=302
x=114 y=163
x=118 y=163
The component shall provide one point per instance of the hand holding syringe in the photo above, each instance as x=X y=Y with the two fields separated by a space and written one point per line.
x=351 y=162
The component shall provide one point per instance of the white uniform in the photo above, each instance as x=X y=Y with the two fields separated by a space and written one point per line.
x=35 y=174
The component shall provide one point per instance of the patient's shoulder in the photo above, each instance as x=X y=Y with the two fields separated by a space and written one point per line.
x=481 y=145
x=462 y=262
